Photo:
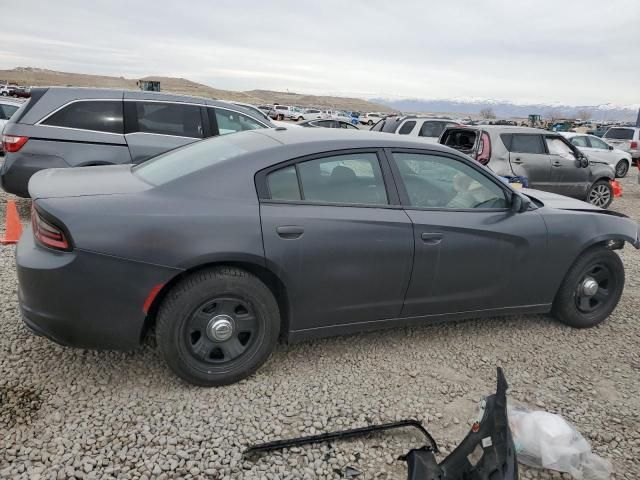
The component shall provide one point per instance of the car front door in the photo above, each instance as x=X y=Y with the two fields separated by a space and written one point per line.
x=568 y=177
x=529 y=158
x=472 y=251
x=337 y=238
x=155 y=127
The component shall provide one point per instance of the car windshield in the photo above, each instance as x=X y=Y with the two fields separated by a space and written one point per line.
x=194 y=157
x=619 y=133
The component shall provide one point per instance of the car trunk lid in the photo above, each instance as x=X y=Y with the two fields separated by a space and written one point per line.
x=85 y=181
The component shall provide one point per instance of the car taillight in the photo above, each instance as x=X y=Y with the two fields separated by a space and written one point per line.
x=48 y=234
x=13 y=143
x=634 y=145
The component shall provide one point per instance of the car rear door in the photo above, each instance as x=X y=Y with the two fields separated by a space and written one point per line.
x=471 y=250
x=568 y=177
x=528 y=158
x=155 y=126
x=336 y=236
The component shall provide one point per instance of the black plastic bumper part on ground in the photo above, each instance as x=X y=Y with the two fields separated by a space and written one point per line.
x=486 y=453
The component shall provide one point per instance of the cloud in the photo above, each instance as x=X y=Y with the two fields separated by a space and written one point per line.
x=546 y=51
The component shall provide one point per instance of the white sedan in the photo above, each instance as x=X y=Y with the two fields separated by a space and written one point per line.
x=597 y=149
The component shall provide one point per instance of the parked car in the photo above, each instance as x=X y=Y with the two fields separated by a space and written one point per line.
x=228 y=244
x=295 y=113
x=7 y=109
x=426 y=127
x=546 y=159
x=63 y=127
x=6 y=90
x=371 y=118
x=625 y=138
x=338 y=115
x=21 y=92
x=597 y=149
x=326 y=123
x=309 y=114
x=261 y=114
x=280 y=112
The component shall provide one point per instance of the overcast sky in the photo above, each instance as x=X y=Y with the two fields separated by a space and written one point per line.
x=572 y=52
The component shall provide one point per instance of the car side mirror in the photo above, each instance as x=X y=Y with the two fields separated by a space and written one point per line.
x=610 y=147
x=584 y=161
x=519 y=203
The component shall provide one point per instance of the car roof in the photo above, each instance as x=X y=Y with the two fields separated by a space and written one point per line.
x=514 y=129
x=334 y=138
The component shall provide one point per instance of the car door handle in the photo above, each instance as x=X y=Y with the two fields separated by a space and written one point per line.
x=556 y=164
x=431 y=238
x=290 y=232
x=517 y=160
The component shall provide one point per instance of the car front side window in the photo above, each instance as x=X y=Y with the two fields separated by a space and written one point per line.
x=434 y=181
x=229 y=121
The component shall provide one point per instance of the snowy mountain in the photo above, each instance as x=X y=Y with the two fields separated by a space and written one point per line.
x=506 y=109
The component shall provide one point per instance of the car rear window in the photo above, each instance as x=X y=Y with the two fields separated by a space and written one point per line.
x=96 y=115
x=619 y=133
x=197 y=156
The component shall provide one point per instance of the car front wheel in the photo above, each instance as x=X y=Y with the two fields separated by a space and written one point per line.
x=591 y=289
x=600 y=194
x=217 y=326
x=622 y=167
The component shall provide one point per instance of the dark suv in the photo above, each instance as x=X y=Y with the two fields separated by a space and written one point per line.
x=75 y=127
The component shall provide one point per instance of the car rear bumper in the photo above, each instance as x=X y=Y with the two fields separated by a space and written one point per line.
x=84 y=299
x=17 y=169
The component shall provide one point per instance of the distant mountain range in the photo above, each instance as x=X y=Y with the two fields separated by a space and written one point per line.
x=505 y=109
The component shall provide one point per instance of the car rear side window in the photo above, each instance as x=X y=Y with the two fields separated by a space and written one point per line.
x=344 y=179
x=174 y=119
x=407 y=127
x=96 y=115
x=7 y=110
x=525 y=143
x=619 y=133
x=283 y=184
x=230 y=122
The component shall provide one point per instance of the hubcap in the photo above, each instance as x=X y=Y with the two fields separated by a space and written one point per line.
x=599 y=195
x=595 y=289
x=220 y=328
x=589 y=287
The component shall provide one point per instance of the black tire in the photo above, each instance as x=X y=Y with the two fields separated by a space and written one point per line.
x=4 y=94
x=180 y=331
x=280 y=117
x=370 y=122
x=622 y=168
x=570 y=307
x=600 y=194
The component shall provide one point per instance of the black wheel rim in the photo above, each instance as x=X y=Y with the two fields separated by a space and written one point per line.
x=221 y=330
x=621 y=169
x=592 y=301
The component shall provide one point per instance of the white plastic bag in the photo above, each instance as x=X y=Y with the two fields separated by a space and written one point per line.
x=546 y=440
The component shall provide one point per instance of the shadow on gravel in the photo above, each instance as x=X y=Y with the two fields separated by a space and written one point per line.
x=18 y=404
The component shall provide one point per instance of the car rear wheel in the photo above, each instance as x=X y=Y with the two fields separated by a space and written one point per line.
x=280 y=117
x=600 y=194
x=622 y=167
x=370 y=122
x=217 y=326
x=591 y=289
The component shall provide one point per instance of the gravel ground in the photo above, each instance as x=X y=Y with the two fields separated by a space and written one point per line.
x=74 y=413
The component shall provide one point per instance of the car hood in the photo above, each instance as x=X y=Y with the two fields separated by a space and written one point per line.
x=561 y=202
x=85 y=181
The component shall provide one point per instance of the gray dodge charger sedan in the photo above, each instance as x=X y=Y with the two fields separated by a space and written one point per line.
x=225 y=245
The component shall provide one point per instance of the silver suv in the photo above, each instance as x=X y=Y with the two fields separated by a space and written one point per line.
x=544 y=160
x=625 y=138
x=75 y=127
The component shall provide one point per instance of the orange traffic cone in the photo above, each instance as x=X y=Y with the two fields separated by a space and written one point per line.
x=13 y=226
